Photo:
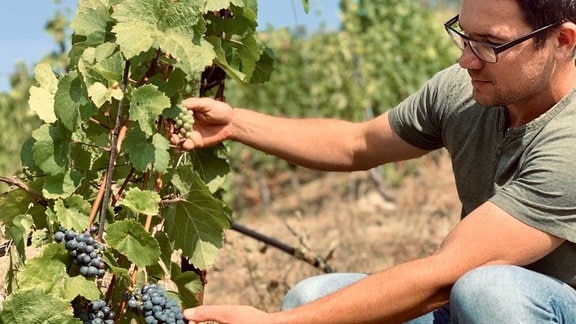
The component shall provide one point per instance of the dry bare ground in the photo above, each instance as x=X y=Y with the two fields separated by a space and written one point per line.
x=341 y=216
x=361 y=233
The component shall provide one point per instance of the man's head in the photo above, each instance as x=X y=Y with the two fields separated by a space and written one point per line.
x=532 y=66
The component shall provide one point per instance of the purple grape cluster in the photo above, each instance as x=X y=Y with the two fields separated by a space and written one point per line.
x=95 y=312
x=153 y=304
x=84 y=251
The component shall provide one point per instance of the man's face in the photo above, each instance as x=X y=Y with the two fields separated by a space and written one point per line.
x=522 y=72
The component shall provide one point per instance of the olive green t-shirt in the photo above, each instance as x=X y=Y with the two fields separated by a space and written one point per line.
x=528 y=171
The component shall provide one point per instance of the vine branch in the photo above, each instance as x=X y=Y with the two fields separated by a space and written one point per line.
x=13 y=181
x=113 y=153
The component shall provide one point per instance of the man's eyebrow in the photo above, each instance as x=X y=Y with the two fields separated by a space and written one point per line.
x=484 y=35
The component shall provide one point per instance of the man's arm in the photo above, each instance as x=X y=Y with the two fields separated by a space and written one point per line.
x=487 y=236
x=323 y=144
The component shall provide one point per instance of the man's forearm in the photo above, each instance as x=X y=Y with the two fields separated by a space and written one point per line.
x=391 y=296
x=323 y=144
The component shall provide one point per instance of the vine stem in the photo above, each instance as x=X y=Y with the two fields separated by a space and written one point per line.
x=97 y=201
x=113 y=153
x=13 y=181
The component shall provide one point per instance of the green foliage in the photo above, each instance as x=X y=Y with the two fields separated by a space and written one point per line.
x=102 y=151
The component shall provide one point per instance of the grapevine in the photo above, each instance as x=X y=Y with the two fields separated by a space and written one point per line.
x=103 y=155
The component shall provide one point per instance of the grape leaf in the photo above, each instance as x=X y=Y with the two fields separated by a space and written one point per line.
x=50 y=152
x=62 y=185
x=18 y=202
x=48 y=273
x=196 y=223
x=174 y=27
x=306 y=5
x=73 y=213
x=144 y=155
x=223 y=63
x=91 y=19
x=189 y=286
x=42 y=98
x=211 y=168
x=215 y=5
x=132 y=240
x=67 y=100
x=19 y=232
x=147 y=104
x=34 y=306
x=141 y=201
x=100 y=94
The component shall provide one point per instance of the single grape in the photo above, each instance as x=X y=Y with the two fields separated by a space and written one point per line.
x=58 y=236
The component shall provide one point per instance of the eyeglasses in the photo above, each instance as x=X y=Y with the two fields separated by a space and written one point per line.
x=485 y=51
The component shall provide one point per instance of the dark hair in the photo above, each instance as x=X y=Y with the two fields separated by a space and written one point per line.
x=540 y=13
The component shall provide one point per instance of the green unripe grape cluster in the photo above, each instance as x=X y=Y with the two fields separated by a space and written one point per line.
x=183 y=123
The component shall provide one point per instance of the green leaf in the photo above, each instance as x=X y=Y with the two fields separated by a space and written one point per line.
x=68 y=99
x=62 y=185
x=52 y=147
x=100 y=94
x=20 y=231
x=42 y=98
x=130 y=239
x=19 y=202
x=197 y=222
x=48 y=273
x=306 y=5
x=141 y=201
x=34 y=306
x=223 y=63
x=264 y=67
x=211 y=168
x=174 y=27
x=72 y=213
x=189 y=286
x=91 y=19
x=144 y=155
x=147 y=104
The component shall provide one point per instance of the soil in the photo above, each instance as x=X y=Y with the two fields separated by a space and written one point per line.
x=349 y=220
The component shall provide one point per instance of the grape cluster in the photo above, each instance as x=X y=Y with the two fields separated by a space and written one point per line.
x=151 y=302
x=183 y=123
x=83 y=250
x=95 y=312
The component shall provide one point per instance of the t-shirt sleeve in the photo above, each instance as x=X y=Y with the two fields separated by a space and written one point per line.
x=420 y=118
x=543 y=192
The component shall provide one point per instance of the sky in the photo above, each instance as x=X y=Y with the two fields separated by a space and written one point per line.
x=23 y=38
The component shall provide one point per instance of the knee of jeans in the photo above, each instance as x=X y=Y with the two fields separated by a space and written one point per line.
x=301 y=293
x=313 y=288
x=486 y=283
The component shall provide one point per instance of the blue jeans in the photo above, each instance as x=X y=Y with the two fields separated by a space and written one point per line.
x=489 y=294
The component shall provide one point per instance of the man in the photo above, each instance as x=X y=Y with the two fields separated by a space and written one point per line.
x=507 y=116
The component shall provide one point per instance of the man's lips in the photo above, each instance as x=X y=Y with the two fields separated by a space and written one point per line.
x=478 y=81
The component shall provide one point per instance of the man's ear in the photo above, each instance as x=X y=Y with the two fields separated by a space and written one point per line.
x=566 y=40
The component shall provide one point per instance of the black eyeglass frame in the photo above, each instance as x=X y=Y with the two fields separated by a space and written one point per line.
x=496 y=48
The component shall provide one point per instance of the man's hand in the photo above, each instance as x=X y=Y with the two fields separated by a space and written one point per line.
x=227 y=314
x=212 y=123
